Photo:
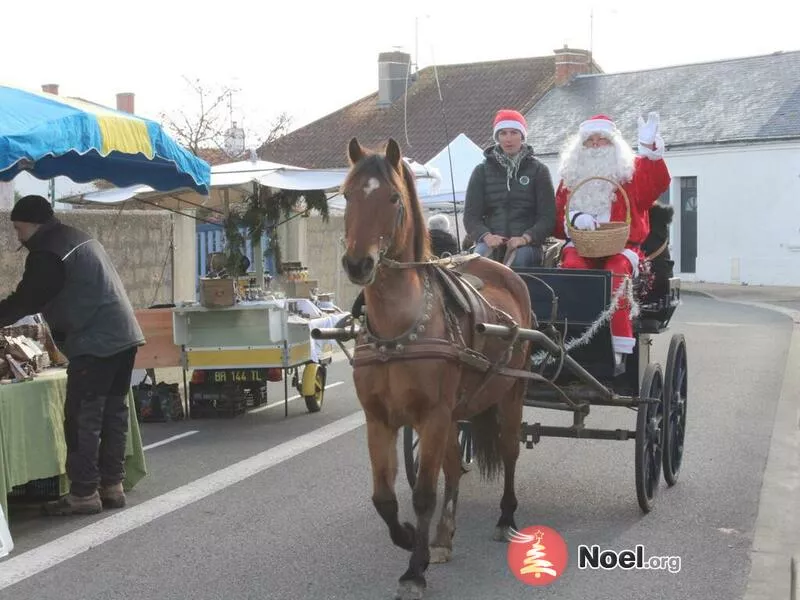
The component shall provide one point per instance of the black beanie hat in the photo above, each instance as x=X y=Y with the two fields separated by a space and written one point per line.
x=32 y=209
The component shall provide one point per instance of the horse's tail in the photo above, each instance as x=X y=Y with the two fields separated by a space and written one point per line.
x=486 y=442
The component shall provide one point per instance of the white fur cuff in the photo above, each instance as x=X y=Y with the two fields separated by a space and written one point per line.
x=633 y=258
x=656 y=154
x=624 y=345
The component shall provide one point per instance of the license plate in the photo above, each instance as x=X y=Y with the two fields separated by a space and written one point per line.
x=237 y=376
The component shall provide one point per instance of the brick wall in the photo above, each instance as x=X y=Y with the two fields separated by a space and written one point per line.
x=137 y=242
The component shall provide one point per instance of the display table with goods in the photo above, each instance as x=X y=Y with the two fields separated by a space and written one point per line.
x=238 y=338
x=33 y=449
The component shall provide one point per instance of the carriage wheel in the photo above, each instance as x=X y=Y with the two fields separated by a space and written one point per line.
x=649 y=436
x=411 y=443
x=675 y=396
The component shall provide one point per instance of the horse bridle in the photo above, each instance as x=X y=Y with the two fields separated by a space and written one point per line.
x=383 y=247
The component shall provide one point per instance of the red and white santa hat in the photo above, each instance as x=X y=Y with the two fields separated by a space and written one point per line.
x=510 y=119
x=597 y=124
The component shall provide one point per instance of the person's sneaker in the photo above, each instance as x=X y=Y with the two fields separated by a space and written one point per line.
x=112 y=496
x=74 y=505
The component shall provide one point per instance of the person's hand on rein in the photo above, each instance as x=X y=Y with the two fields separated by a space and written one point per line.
x=516 y=242
x=493 y=241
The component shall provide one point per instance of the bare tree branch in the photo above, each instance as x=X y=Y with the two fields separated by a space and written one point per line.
x=206 y=127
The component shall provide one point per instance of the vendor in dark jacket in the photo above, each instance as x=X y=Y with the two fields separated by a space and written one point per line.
x=442 y=241
x=70 y=280
x=510 y=200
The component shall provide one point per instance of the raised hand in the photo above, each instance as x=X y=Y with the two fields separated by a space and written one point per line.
x=648 y=130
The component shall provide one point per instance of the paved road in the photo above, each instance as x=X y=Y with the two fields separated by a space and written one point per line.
x=305 y=527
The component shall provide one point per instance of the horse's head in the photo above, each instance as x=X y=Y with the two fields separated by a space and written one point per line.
x=382 y=216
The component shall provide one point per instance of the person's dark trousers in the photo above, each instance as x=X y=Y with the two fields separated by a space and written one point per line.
x=96 y=420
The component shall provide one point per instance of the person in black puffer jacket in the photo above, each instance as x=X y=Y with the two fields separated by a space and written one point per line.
x=442 y=241
x=510 y=200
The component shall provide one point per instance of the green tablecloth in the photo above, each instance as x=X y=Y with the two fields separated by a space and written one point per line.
x=32 y=444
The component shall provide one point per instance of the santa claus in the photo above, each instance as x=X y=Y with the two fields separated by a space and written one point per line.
x=598 y=150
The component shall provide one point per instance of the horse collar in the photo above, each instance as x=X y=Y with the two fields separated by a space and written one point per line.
x=398 y=344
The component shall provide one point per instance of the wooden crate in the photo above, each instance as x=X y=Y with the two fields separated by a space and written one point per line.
x=217 y=293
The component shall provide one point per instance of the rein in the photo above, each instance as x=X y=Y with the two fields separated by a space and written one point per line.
x=658 y=251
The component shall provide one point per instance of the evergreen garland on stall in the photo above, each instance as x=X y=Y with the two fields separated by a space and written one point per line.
x=263 y=212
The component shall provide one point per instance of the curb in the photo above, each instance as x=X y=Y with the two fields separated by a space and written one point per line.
x=699 y=293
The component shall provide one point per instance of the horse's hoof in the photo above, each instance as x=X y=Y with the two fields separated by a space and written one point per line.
x=501 y=534
x=440 y=555
x=409 y=590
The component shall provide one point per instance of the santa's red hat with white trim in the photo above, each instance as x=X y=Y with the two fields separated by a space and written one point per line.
x=510 y=119
x=601 y=124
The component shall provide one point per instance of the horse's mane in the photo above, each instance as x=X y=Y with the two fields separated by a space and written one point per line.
x=422 y=238
x=374 y=163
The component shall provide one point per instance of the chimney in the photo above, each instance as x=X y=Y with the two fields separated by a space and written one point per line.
x=393 y=68
x=125 y=102
x=571 y=62
x=50 y=88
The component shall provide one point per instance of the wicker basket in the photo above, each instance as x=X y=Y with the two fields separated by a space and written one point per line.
x=609 y=238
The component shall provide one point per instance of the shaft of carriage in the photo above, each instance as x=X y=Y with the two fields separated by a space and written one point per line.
x=539 y=338
x=597 y=392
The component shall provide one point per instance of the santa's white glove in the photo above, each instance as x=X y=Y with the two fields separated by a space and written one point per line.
x=584 y=221
x=633 y=258
x=648 y=130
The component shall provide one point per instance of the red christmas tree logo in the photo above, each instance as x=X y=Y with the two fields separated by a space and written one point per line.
x=537 y=555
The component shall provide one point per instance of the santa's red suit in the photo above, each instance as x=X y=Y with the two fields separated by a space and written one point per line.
x=598 y=149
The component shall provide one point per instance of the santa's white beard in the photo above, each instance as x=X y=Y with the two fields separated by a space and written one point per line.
x=594 y=197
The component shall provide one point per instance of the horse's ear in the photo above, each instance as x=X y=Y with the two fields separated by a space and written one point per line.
x=393 y=155
x=354 y=151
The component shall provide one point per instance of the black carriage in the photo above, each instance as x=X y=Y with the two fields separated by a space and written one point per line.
x=576 y=369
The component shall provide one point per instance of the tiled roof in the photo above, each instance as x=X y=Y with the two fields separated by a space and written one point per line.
x=472 y=93
x=745 y=99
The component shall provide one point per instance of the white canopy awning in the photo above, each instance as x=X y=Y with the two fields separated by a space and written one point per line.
x=236 y=181
x=438 y=192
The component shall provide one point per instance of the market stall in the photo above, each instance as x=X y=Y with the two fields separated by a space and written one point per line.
x=244 y=331
x=50 y=136
x=238 y=348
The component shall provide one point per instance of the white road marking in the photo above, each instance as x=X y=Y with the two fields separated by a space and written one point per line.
x=59 y=550
x=169 y=440
x=291 y=399
x=715 y=324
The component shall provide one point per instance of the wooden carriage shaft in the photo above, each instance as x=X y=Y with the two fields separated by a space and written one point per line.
x=538 y=337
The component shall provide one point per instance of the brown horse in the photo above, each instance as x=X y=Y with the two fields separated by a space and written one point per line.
x=418 y=360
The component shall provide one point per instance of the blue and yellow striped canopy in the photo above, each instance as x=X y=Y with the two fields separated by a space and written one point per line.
x=48 y=135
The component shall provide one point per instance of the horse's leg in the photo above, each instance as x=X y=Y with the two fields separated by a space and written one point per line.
x=433 y=437
x=442 y=547
x=382 y=442
x=510 y=414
